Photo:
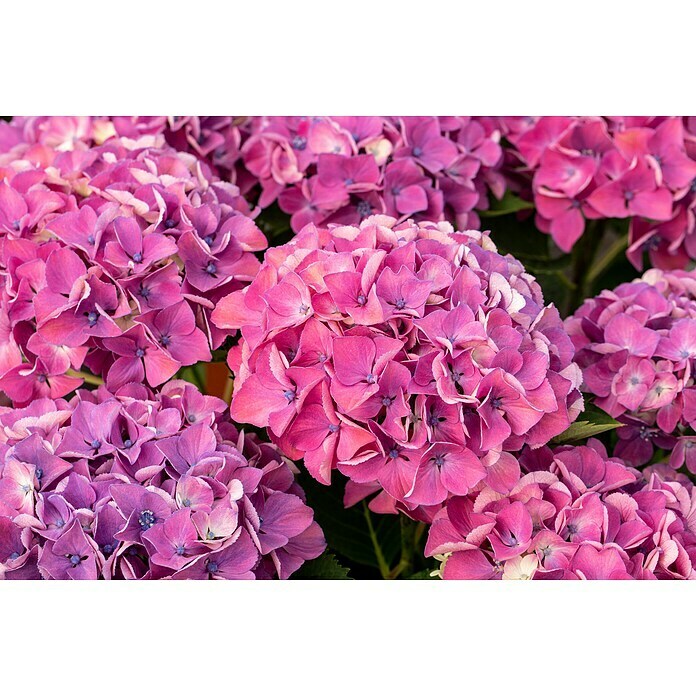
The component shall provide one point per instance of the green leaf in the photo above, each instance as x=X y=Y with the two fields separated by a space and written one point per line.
x=423 y=575
x=509 y=203
x=346 y=530
x=326 y=567
x=591 y=422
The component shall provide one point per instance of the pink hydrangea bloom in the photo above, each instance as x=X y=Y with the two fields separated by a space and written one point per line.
x=584 y=168
x=575 y=514
x=636 y=346
x=111 y=257
x=344 y=169
x=410 y=357
x=135 y=484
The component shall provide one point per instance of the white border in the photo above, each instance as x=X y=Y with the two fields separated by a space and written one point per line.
x=352 y=638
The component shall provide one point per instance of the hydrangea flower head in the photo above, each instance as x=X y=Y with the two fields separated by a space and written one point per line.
x=111 y=257
x=410 y=357
x=636 y=346
x=136 y=484
x=575 y=514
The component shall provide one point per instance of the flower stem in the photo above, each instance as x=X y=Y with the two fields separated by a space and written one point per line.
x=88 y=377
x=617 y=248
x=409 y=529
x=582 y=258
x=381 y=561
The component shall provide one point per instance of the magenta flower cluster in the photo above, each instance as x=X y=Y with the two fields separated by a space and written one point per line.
x=588 y=168
x=344 y=169
x=575 y=514
x=143 y=485
x=636 y=346
x=410 y=357
x=112 y=257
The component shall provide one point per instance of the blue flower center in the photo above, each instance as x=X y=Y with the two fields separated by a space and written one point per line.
x=400 y=303
x=417 y=151
x=364 y=209
x=165 y=340
x=387 y=400
x=211 y=268
x=41 y=378
x=299 y=143
x=180 y=550
x=137 y=257
x=213 y=567
x=169 y=223
x=144 y=292
x=146 y=519
x=333 y=428
x=92 y=318
x=394 y=453
x=289 y=394
x=39 y=473
x=75 y=560
x=439 y=460
x=96 y=444
x=370 y=379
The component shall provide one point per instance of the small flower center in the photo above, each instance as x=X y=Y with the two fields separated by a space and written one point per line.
x=137 y=257
x=211 y=268
x=146 y=519
x=213 y=567
x=362 y=300
x=364 y=209
x=75 y=560
x=92 y=318
x=139 y=352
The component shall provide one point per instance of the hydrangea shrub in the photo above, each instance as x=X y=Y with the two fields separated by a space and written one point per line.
x=389 y=342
